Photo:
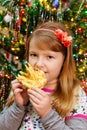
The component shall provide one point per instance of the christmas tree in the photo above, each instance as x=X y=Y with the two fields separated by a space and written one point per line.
x=18 y=18
x=75 y=18
x=77 y=21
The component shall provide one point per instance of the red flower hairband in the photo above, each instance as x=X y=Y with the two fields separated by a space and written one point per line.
x=63 y=37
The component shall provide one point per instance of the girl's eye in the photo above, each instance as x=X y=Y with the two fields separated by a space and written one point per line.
x=50 y=57
x=33 y=55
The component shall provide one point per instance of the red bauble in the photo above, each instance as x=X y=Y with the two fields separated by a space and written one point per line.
x=1 y=75
x=80 y=30
x=21 y=3
x=22 y=11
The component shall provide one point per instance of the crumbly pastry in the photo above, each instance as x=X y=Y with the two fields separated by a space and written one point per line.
x=32 y=78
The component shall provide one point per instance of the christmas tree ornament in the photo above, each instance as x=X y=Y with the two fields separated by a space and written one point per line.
x=8 y=18
x=21 y=3
x=56 y=3
x=80 y=30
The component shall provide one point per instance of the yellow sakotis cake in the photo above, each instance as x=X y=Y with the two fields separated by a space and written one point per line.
x=32 y=78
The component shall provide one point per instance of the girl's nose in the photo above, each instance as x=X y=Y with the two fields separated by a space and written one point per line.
x=39 y=64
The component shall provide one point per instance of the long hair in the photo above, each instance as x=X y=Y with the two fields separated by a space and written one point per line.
x=68 y=84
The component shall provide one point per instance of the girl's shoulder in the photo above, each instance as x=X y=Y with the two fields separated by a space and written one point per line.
x=80 y=109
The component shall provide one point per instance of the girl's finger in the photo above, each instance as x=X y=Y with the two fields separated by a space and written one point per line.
x=36 y=94
x=17 y=91
x=14 y=81
x=34 y=100
x=35 y=105
x=39 y=91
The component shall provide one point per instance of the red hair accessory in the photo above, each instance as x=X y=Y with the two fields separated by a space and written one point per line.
x=63 y=37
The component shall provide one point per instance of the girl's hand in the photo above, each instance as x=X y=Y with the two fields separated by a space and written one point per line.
x=40 y=100
x=20 y=94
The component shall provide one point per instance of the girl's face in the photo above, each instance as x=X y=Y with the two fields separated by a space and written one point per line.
x=48 y=61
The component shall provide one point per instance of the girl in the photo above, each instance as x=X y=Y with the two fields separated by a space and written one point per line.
x=61 y=104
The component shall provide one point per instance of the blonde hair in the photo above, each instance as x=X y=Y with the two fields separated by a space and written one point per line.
x=68 y=84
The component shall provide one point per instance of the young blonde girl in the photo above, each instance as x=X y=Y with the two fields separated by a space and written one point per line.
x=61 y=104
x=68 y=84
